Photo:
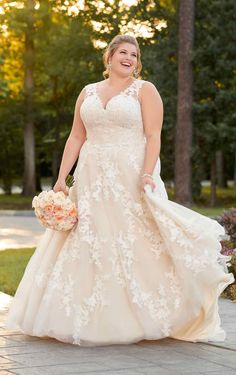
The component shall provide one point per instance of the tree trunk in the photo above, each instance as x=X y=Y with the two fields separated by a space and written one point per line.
x=7 y=171
x=57 y=139
x=235 y=169
x=183 y=136
x=56 y=153
x=29 y=184
x=213 y=183
x=220 y=170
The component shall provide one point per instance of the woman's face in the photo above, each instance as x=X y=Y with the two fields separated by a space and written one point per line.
x=124 y=59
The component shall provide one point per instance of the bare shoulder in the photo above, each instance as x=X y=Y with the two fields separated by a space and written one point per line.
x=80 y=97
x=148 y=90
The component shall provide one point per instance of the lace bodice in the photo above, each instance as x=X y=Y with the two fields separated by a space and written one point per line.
x=120 y=118
x=118 y=127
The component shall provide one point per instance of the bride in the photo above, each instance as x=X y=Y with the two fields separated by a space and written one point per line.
x=137 y=265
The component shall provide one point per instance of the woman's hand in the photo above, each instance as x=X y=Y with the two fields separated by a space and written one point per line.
x=60 y=185
x=147 y=180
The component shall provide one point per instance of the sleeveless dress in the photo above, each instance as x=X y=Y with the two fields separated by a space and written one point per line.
x=137 y=266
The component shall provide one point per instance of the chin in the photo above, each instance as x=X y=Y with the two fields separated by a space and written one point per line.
x=124 y=74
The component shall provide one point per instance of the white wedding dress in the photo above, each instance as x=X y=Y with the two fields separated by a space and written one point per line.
x=137 y=266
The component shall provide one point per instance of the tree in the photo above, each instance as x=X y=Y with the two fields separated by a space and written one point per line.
x=29 y=182
x=68 y=49
x=215 y=87
x=183 y=137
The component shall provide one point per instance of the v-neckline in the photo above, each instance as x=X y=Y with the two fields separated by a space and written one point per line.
x=114 y=96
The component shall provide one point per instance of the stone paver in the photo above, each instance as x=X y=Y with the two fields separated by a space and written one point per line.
x=27 y=355
x=19 y=231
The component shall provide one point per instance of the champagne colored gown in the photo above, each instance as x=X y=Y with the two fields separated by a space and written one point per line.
x=137 y=266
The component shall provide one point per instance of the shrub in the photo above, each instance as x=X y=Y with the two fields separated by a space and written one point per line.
x=228 y=220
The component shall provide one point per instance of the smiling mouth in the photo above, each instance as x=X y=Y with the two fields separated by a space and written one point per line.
x=126 y=65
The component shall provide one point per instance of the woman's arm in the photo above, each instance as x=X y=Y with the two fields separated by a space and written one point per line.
x=152 y=114
x=72 y=147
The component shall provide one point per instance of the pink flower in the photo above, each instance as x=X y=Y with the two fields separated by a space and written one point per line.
x=55 y=210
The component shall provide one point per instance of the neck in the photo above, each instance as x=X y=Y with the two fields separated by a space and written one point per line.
x=115 y=80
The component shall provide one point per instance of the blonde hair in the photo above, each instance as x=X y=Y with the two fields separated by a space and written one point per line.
x=112 y=47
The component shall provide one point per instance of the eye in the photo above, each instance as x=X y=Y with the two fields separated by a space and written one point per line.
x=122 y=52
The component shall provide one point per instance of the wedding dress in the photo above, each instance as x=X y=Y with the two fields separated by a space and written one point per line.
x=137 y=266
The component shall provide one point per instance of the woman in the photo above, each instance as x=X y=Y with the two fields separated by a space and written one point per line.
x=137 y=266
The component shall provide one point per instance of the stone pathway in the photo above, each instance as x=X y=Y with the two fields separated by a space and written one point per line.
x=26 y=355
x=19 y=229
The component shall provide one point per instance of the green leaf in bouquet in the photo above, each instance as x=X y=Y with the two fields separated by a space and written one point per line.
x=70 y=180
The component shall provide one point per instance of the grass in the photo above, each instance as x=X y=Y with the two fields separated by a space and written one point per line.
x=12 y=266
x=226 y=198
x=209 y=211
x=15 y=202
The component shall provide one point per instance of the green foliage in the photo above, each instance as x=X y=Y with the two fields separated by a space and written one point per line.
x=70 y=180
x=228 y=220
x=160 y=67
x=11 y=138
x=226 y=199
x=215 y=78
x=226 y=196
x=67 y=58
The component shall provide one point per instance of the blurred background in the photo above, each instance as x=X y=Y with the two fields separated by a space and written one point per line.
x=50 y=49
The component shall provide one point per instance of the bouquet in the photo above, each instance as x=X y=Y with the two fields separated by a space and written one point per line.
x=55 y=210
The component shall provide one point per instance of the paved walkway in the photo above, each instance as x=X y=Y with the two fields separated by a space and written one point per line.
x=26 y=355
x=19 y=229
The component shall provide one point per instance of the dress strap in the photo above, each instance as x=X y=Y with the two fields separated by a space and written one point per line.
x=90 y=89
x=139 y=83
x=133 y=89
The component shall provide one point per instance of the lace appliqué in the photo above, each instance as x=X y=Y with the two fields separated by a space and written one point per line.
x=41 y=278
x=84 y=311
x=133 y=89
x=90 y=90
x=186 y=239
x=175 y=287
